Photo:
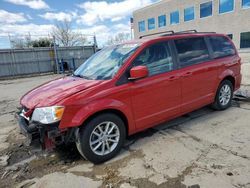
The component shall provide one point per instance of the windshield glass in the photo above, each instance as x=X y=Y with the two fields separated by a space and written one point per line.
x=104 y=64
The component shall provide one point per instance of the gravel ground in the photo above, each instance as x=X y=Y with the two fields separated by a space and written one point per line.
x=205 y=148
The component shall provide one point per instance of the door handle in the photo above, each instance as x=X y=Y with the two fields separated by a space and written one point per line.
x=172 y=78
x=187 y=74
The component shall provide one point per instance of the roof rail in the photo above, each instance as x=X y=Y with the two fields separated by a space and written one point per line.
x=188 y=31
x=171 y=32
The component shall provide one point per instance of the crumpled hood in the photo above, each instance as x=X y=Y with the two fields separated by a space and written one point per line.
x=56 y=90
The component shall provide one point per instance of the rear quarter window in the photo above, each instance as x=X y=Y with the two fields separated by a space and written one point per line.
x=191 y=51
x=221 y=47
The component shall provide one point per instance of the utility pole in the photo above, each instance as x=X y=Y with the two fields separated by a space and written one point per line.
x=55 y=54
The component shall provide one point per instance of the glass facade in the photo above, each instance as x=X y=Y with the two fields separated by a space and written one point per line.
x=162 y=21
x=206 y=9
x=245 y=40
x=174 y=18
x=188 y=14
x=245 y=3
x=141 y=26
x=151 y=23
x=226 y=6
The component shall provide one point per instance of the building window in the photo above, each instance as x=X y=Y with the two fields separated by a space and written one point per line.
x=162 y=21
x=174 y=18
x=206 y=9
x=230 y=36
x=151 y=23
x=245 y=40
x=141 y=25
x=188 y=14
x=226 y=6
x=245 y=4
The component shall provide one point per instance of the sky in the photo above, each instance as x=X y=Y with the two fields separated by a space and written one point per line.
x=36 y=17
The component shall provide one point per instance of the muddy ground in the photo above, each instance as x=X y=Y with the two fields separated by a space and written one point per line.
x=205 y=148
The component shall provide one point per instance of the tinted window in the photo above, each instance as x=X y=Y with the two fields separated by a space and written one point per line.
x=151 y=23
x=188 y=14
x=245 y=40
x=157 y=58
x=141 y=26
x=174 y=18
x=226 y=6
x=245 y=3
x=162 y=21
x=191 y=51
x=206 y=9
x=221 y=47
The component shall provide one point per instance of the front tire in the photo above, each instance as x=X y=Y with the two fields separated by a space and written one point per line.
x=101 y=138
x=224 y=96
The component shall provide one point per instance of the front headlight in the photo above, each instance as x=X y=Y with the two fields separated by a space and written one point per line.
x=47 y=115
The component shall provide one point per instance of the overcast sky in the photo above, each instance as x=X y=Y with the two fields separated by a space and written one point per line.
x=20 y=17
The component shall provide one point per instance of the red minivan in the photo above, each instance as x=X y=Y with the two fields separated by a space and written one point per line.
x=126 y=88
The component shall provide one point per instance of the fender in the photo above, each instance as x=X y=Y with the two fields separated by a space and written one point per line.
x=81 y=114
x=225 y=74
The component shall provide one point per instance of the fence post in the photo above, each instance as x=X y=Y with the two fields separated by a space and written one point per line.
x=55 y=52
x=74 y=65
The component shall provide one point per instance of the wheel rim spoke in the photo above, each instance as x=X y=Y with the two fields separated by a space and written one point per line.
x=94 y=142
x=114 y=141
x=111 y=129
x=98 y=145
x=107 y=144
x=103 y=148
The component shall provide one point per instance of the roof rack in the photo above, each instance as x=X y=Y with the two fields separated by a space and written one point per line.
x=168 y=33
x=188 y=31
x=171 y=32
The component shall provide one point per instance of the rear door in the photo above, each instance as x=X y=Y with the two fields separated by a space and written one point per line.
x=157 y=97
x=198 y=72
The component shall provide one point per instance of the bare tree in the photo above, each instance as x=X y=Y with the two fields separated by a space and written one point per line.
x=65 y=35
x=118 y=38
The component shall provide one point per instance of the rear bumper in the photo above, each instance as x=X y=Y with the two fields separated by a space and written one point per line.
x=238 y=79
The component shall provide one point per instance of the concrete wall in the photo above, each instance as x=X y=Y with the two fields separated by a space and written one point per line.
x=229 y=23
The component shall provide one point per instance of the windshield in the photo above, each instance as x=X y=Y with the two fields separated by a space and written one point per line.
x=104 y=64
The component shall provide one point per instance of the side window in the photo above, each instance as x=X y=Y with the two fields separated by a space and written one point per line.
x=221 y=47
x=157 y=58
x=191 y=51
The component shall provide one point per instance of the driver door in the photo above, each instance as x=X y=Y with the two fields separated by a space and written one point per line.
x=157 y=97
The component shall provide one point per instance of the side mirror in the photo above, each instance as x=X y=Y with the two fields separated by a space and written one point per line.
x=138 y=72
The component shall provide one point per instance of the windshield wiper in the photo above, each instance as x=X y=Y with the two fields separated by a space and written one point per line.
x=81 y=76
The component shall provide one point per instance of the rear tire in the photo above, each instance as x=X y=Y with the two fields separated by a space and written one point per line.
x=224 y=96
x=101 y=138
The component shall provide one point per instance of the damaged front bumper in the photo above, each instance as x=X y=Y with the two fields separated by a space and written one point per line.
x=49 y=135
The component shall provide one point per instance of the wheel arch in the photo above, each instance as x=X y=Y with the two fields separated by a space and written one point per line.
x=112 y=111
x=231 y=79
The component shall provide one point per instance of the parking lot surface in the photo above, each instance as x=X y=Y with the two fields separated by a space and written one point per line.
x=205 y=148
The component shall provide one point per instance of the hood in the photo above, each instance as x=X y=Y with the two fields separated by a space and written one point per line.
x=50 y=93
